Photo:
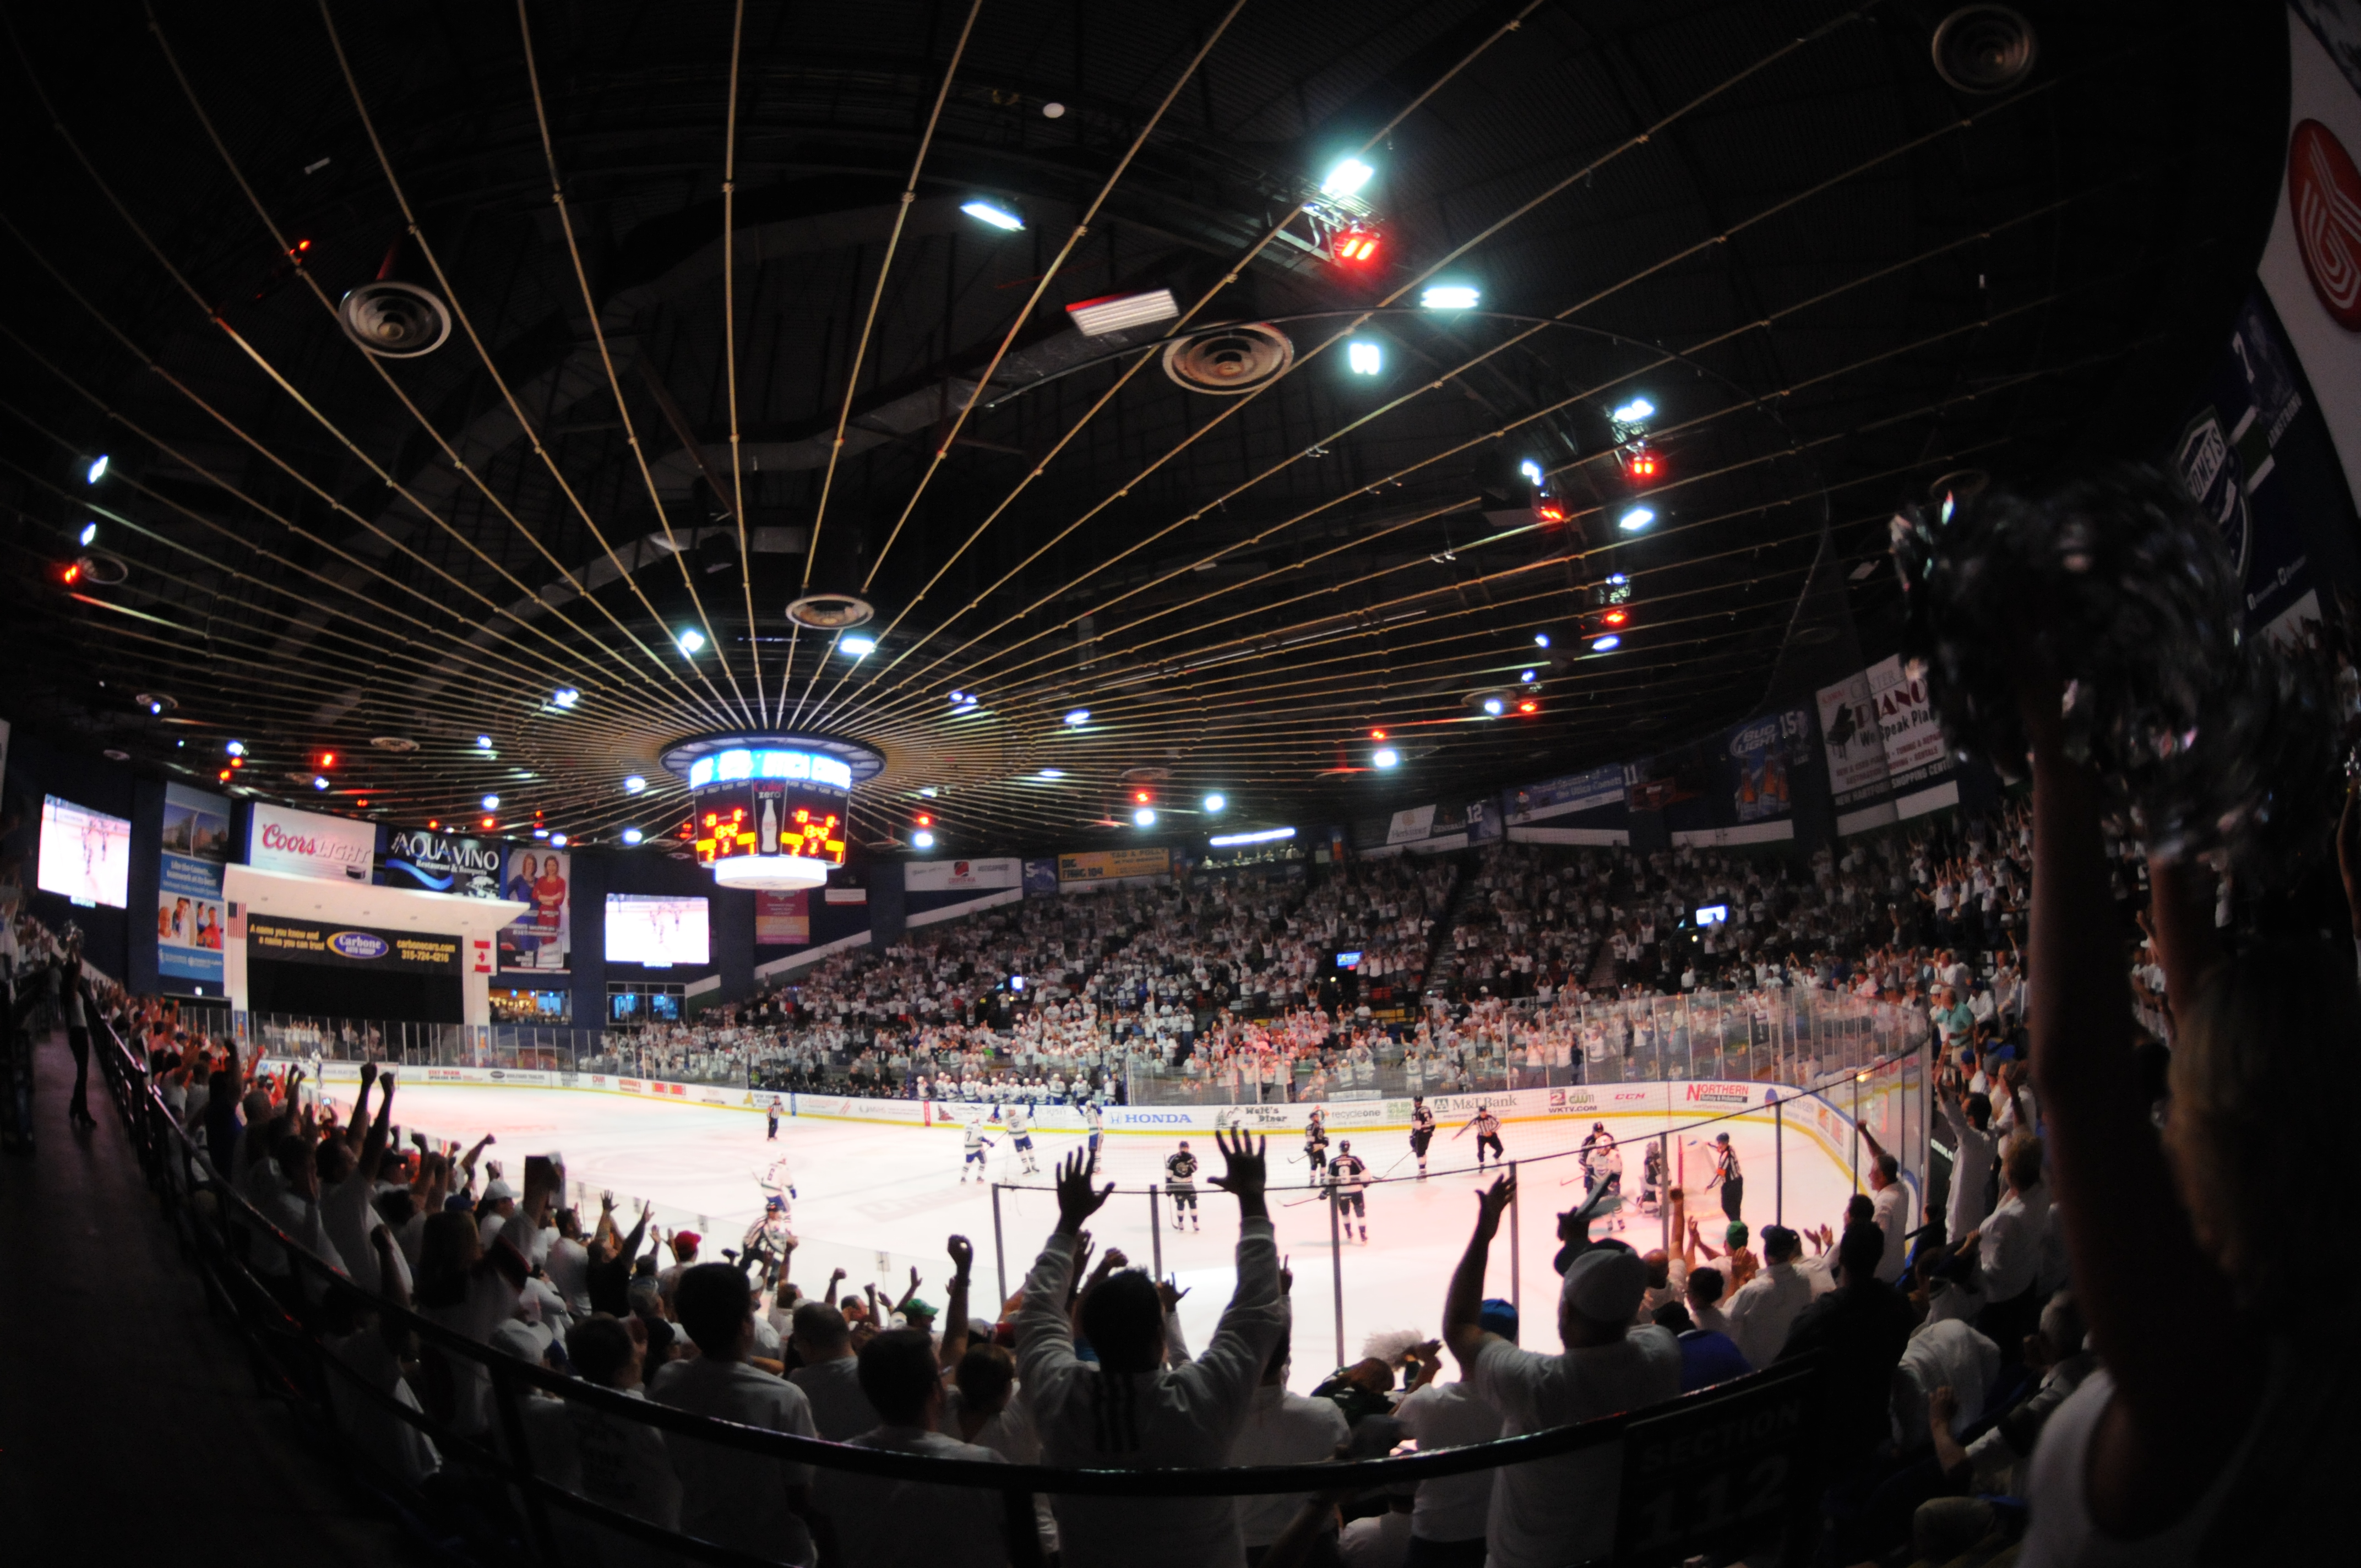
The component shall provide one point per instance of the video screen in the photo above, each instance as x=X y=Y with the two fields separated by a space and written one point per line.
x=85 y=854
x=656 y=929
x=663 y=1007
x=1350 y=959
x=1713 y=913
x=624 y=1006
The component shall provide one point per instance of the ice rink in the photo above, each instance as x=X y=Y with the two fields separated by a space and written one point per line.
x=877 y=1200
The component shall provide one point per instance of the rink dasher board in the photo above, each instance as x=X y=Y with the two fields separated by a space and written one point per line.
x=1808 y=1114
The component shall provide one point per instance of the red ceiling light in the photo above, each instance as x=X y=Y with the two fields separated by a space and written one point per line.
x=487 y=822
x=74 y=573
x=1639 y=462
x=328 y=759
x=1550 y=510
x=1356 y=245
x=1616 y=616
x=433 y=826
x=925 y=821
x=1141 y=795
x=1529 y=706
x=1376 y=734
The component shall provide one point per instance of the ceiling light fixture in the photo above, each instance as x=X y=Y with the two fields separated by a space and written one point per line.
x=491 y=802
x=1045 y=773
x=998 y=217
x=557 y=840
x=89 y=534
x=922 y=839
x=1607 y=644
x=1385 y=757
x=1633 y=411
x=859 y=647
x=96 y=471
x=633 y=784
x=483 y=742
x=1214 y=803
x=1363 y=357
x=1346 y=178
x=691 y=641
x=631 y=835
x=1268 y=836
x=1541 y=639
x=319 y=782
x=1114 y=313
x=1078 y=717
x=1144 y=817
x=566 y=697
x=1634 y=520
x=1450 y=296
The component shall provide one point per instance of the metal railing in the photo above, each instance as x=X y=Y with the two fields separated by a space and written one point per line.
x=1750 y=1438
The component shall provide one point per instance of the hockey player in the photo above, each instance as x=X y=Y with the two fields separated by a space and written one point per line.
x=1180 y=1184
x=1587 y=1158
x=1422 y=1131
x=1094 y=1120
x=975 y=1143
x=1316 y=1141
x=1020 y=1134
x=1652 y=1179
x=1347 y=1177
x=1487 y=1130
x=772 y=1115
x=1606 y=1175
x=774 y=1226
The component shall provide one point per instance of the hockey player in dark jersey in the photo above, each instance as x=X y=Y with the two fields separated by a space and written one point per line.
x=1349 y=1177
x=1422 y=1131
x=1316 y=1141
x=1180 y=1184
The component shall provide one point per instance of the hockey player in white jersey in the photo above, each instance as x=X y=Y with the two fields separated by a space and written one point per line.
x=974 y=1143
x=1020 y=1134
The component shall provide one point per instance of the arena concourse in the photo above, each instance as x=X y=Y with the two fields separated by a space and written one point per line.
x=1504 y=785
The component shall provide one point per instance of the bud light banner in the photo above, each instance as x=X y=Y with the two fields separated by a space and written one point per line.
x=1756 y=760
x=541 y=940
x=350 y=947
x=436 y=862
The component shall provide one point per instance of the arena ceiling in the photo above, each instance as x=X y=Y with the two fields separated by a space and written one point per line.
x=1835 y=275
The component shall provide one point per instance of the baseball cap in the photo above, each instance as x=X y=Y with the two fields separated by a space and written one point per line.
x=497 y=1190
x=918 y=1309
x=1605 y=1283
x=686 y=1238
x=1735 y=1235
x=1498 y=1317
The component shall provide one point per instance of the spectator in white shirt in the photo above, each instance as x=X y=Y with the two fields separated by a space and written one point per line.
x=2010 y=1250
x=729 y=1497
x=1450 y=1513
x=1891 y=1208
x=1968 y=1117
x=1281 y=1428
x=1768 y=1304
x=1132 y=1410
x=1551 y=1512
x=623 y=1465
x=883 y=1521
x=829 y=1376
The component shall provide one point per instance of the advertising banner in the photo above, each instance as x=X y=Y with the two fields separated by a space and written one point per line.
x=1586 y=791
x=436 y=862
x=1879 y=734
x=350 y=947
x=305 y=843
x=189 y=914
x=1114 y=865
x=1409 y=827
x=542 y=939
x=783 y=919
x=1755 y=760
x=952 y=876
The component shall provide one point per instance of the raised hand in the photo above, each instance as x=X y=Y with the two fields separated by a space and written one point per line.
x=963 y=1253
x=1168 y=1292
x=1077 y=1200
x=1246 y=1168
x=1491 y=1203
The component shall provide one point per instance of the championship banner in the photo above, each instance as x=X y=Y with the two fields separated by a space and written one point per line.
x=305 y=843
x=953 y=876
x=1484 y=822
x=1586 y=791
x=1040 y=878
x=189 y=911
x=542 y=939
x=1114 y=865
x=350 y=947
x=783 y=919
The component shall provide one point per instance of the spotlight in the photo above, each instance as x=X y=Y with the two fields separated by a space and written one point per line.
x=491 y=802
x=89 y=534
x=328 y=759
x=483 y=742
x=858 y=647
x=96 y=471
x=1616 y=579
x=1529 y=706
x=925 y=819
x=1541 y=639
x=566 y=697
x=1532 y=472
x=1363 y=357
x=922 y=839
x=631 y=835
x=541 y=832
x=1052 y=773
x=1078 y=717
x=1607 y=644
x=633 y=784
x=557 y=840
x=1015 y=983
x=319 y=781
x=1144 y=817
x=1633 y=411
x=928 y=790
x=487 y=822
x=433 y=826
x=1142 y=796
x=1376 y=734
x=1635 y=519
x=1346 y=178
x=958 y=698
x=691 y=641
x=1494 y=707
x=1214 y=803
x=155 y=708
x=235 y=748
x=1616 y=616
x=1528 y=675
x=1450 y=296
x=1385 y=757
x=998 y=217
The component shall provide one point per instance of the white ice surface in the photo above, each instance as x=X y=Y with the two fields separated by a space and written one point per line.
x=872 y=1193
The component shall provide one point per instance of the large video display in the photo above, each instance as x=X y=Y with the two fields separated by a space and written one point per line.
x=658 y=930
x=85 y=854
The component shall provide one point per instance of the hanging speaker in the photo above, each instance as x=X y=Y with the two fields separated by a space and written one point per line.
x=397 y=315
x=1230 y=360
x=1986 y=49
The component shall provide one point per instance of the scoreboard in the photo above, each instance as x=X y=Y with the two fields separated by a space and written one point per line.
x=770 y=819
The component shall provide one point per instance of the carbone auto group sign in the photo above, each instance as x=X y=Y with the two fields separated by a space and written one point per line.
x=350 y=947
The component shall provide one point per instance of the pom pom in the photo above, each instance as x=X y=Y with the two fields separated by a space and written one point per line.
x=2120 y=584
